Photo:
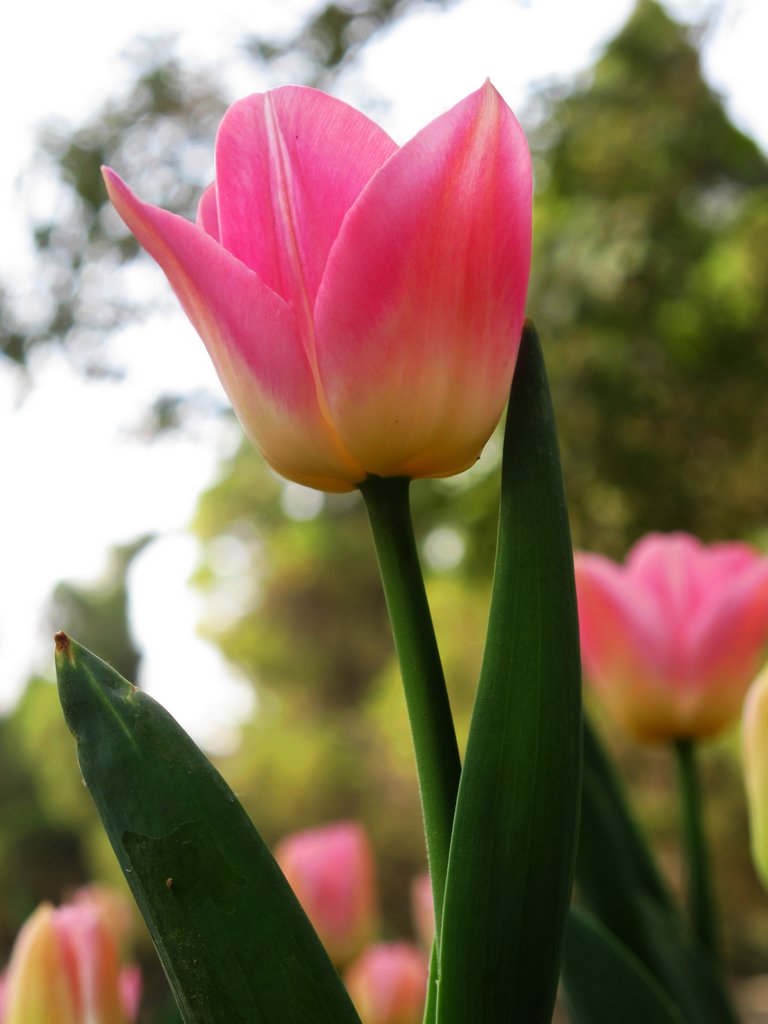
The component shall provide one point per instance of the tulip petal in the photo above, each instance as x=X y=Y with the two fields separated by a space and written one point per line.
x=90 y=953
x=623 y=646
x=251 y=336
x=730 y=636
x=208 y=213
x=331 y=871
x=38 y=989
x=420 y=311
x=668 y=568
x=289 y=164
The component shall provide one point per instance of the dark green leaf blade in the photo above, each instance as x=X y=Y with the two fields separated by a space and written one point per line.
x=513 y=846
x=232 y=937
x=604 y=983
x=619 y=882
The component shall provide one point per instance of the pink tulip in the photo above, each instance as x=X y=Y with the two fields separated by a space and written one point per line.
x=388 y=984
x=672 y=639
x=64 y=969
x=331 y=870
x=362 y=303
x=423 y=910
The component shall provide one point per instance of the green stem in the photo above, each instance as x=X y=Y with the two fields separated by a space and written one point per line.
x=700 y=895
x=434 y=739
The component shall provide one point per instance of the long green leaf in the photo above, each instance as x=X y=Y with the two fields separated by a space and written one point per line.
x=605 y=984
x=234 y=942
x=512 y=852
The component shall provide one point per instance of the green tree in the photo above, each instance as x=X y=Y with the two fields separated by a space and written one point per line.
x=650 y=290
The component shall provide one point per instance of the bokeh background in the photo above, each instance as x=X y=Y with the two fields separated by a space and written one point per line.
x=134 y=516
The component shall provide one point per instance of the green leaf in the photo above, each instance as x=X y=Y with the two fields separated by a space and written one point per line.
x=686 y=971
x=604 y=983
x=618 y=880
x=234 y=942
x=614 y=865
x=510 y=868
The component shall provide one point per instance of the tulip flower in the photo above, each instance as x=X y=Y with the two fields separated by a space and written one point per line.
x=331 y=870
x=755 y=759
x=388 y=984
x=671 y=640
x=64 y=970
x=362 y=302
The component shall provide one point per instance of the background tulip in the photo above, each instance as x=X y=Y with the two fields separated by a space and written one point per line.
x=755 y=757
x=64 y=969
x=671 y=639
x=388 y=984
x=331 y=870
x=362 y=302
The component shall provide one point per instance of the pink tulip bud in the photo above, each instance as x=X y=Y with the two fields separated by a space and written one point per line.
x=362 y=302
x=755 y=759
x=423 y=910
x=331 y=870
x=64 y=970
x=388 y=984
x=671 y=640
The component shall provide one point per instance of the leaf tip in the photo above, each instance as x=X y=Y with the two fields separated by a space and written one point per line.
x=63 y=645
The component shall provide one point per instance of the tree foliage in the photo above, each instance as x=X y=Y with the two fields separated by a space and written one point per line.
x=650 y=290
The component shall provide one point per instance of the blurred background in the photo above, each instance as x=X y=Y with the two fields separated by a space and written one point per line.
x=135 y=517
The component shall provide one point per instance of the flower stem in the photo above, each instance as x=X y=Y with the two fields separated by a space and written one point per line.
x=434 y=739
x=700 y=894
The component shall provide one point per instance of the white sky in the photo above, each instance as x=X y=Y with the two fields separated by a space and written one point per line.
x=75 y=481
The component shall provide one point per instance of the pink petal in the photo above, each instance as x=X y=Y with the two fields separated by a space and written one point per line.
x=730 y=636
x=620 y=634
x=670 y=568
x=420 y=311
x=625 y=649
x=208 y=213
x=251 y=335
x=90 y=951
x=131 y=984
x=332 y=872
x=289 y=164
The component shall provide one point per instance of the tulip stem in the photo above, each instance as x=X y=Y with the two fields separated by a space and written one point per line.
x=438 y=765
x=701 y=899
